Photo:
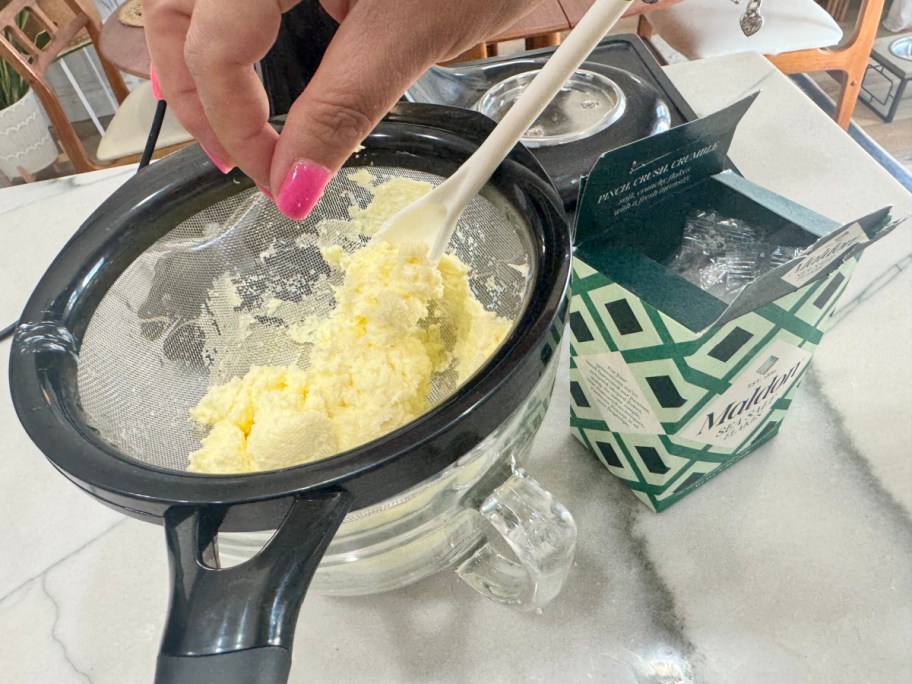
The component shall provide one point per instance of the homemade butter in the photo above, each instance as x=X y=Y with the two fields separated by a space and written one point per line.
x=399 y=320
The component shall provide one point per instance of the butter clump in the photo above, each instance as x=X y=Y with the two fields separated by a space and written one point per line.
x=370 y=369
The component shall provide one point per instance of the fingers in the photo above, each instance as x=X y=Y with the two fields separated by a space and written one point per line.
x=224 y=41
x=370 y=62
x=167 y=23
x=204 y=51
x=379 y=50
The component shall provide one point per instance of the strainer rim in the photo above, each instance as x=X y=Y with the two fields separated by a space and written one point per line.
x=47 y=411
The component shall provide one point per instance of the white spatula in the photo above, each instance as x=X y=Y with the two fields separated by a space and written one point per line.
x=432 y=219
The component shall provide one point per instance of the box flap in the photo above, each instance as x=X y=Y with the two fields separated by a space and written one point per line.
x=698 y=310
x=801 y=216
x=645 y=172
x=817 y=262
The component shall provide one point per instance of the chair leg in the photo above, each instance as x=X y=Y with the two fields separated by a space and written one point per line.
x=856 y=58
x=547 y=40
x=644 y=29
x=63 y=129
x=480 y=51
x=26 y=176
x=841 y=9
x=93 y=28
x=848 y=97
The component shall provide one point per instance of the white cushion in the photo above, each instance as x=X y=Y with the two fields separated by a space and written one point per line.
x=709 y=28
x=129 y=129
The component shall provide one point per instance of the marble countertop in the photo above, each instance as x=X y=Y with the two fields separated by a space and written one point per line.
x=793 y=566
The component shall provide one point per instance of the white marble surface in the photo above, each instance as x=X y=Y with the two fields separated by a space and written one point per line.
x=793 y=566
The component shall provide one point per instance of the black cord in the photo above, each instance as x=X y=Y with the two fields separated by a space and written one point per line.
x=157 y=119
x=8 y=331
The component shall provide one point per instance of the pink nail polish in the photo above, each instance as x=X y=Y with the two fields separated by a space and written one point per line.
x=302 y=187
x=153 y=77
x=220 y=165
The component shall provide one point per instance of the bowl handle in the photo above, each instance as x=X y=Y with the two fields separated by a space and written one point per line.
x=236 y=625
x=540 y=538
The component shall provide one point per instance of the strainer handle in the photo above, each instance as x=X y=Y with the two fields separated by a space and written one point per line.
x=265 y=665
x=540 y=534
x=236 y=625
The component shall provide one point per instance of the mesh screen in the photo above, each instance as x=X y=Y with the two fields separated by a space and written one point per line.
x=225 y=290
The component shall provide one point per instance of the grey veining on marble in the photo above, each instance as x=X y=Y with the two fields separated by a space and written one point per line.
x=793 y=566
x=45 y=516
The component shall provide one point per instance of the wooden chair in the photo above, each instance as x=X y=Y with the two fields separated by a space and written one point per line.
x=540 y=28
x=544 y=25
x=32 y=62
x=836 y=8
x=798 y=36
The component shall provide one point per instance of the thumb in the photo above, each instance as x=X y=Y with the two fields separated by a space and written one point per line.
x=370 y=62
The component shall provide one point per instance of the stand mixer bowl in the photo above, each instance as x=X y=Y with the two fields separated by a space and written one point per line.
x=452 y=518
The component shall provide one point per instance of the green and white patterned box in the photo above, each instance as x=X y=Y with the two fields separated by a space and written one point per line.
x=669 y=385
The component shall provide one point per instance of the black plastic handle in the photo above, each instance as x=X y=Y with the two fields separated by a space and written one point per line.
x=266 y=665
x=236 y=625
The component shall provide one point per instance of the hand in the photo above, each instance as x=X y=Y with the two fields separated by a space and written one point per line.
x=204 y=52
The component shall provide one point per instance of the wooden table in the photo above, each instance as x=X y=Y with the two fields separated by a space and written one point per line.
x=125 y=46
x=575 y=9
x=542 y=27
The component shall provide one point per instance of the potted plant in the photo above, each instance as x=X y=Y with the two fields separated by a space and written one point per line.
x=26 y=145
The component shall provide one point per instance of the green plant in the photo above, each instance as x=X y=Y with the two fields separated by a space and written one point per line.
x=12 y=86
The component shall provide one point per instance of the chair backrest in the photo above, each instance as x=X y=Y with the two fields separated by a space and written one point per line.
x=31 y=60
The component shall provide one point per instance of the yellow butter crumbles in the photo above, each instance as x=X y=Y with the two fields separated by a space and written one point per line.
x=370 y=369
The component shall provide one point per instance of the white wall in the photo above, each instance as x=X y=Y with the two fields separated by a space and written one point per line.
x=80 y=66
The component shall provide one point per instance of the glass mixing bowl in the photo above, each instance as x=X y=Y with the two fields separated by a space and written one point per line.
x=508 y=537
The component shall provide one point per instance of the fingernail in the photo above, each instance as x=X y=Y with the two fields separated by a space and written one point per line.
x=220 y=165
x=266 y=192
x=153 y=77
x=302 y=187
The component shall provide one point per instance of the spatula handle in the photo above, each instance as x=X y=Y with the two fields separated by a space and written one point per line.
x=599 y=18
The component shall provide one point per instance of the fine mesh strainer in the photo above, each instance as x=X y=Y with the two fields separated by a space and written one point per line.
x=185 y=278
x=228 y=288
